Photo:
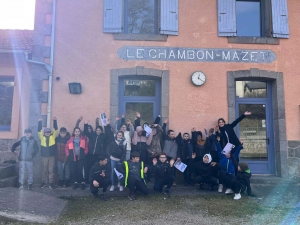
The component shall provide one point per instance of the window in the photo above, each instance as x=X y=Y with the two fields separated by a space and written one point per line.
x=251 y=89
x=6 y=101
x=141 y=17
x=253 y=18
x=248 y=18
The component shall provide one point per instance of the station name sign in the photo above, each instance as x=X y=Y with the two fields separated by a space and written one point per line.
x=196 y=54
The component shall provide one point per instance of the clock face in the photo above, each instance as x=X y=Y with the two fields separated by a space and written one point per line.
x=198 y=78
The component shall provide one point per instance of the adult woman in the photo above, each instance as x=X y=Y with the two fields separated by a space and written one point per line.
x=227 y=134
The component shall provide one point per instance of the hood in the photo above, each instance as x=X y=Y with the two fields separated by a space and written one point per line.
x=209 y=157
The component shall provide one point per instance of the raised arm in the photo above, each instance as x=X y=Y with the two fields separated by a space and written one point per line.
x=137 y=121
x=234 y=123
x=55 y=127
x=40 y=133
x=164 y=128
x=78 y=121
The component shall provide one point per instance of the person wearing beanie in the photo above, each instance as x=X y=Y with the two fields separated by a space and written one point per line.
x=204 y=171
x=99 y=176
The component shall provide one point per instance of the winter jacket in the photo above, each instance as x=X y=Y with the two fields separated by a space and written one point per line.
x=204 y=169
x=244 y=179
x=96 y=142
x=140 y=142
x=162 y=170
x=60 y=147
x=200 y=150
x=131 y=169
x=228 y=164
x=233 y=139
x=96 y=170
x=185 y=148
x=69 y=149
x=29 y=149
x=155 y=148
x=48 y=147
x=170 y=145
x=114 y=148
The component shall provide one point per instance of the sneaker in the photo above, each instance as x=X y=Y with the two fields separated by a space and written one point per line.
x=220 y=188
x=43 y=185
x=30 y=187
x=228 y=191
x=20 y=186
x=174 y=184
x=75 y=186
x=237 y=196
x=103 y=197
x=121 y=188
x=112 y=188
x=51 y=186
x=167 y=192
x=131 y=197
x=82 y=186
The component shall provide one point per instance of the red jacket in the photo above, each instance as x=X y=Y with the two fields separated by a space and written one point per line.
x=69 y=149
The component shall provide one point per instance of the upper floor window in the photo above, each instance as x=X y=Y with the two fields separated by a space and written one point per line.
x=248 y=18
x=141 y=17
x=6 y=101
x=253 y=18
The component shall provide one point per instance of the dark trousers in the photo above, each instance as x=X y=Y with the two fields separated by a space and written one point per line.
x=169 y=158
x=137 y=185
x=158 y=185
x=187 y=172
x=149 y=162
x=207 y=180
x=229 y=181
x=89 y=162
x=77 y=170
x=103 y=183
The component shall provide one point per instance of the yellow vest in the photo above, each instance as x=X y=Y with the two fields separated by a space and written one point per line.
x=127 y=171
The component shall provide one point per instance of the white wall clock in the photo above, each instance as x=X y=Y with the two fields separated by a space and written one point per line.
x=198 y=78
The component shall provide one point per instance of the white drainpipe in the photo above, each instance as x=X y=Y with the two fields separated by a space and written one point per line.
x=49 y=68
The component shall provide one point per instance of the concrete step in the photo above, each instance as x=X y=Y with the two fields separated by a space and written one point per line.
x=9 y=182
x=7 y=170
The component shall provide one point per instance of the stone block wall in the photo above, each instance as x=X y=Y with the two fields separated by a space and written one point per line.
x=5 y=150
x=294 y=158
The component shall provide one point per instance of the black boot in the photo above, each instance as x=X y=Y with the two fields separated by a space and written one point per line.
x=67 y=183
x=60 y=183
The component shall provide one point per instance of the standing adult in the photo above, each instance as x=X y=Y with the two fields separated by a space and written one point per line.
x=227 y=134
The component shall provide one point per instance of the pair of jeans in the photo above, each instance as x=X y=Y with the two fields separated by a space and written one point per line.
x=113 y=165
x=48 y=168
x=158 y=185
x=22 y=167
x=63 y=170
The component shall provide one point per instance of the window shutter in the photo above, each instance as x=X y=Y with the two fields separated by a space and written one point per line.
x=226 y=18
x=112 y=16
x=169 y=17
x=280 y=19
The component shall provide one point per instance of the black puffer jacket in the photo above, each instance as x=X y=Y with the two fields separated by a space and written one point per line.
x=114 y=149
x=162 y=170
x=96 y=142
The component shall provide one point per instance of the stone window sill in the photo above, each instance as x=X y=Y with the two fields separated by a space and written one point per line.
x=254 y=40
x=141 y=37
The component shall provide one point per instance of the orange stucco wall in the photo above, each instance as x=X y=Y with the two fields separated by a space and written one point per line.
x=83 y=53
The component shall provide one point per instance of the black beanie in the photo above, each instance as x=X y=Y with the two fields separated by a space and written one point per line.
x=244 y=166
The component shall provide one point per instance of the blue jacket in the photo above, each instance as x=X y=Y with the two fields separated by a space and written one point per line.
x=228 y=164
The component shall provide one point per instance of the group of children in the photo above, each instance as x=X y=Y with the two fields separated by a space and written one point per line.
x=131 y=154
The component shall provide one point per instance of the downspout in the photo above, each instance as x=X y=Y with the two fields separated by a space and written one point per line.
x=49 y=68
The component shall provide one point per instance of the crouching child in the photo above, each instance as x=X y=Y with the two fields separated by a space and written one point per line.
x=164 y=173
x=133 y=171
x=29 y=149
x=100 y=177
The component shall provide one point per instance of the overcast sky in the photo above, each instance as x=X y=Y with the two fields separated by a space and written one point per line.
x=17 y=14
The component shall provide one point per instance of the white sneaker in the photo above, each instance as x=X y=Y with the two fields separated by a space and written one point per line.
x=228 y=191
x=237 y=196
x=112 y=188
x=220 y=188
x=121 y=188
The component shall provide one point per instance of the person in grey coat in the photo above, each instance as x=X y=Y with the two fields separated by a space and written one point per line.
x=29 y=149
